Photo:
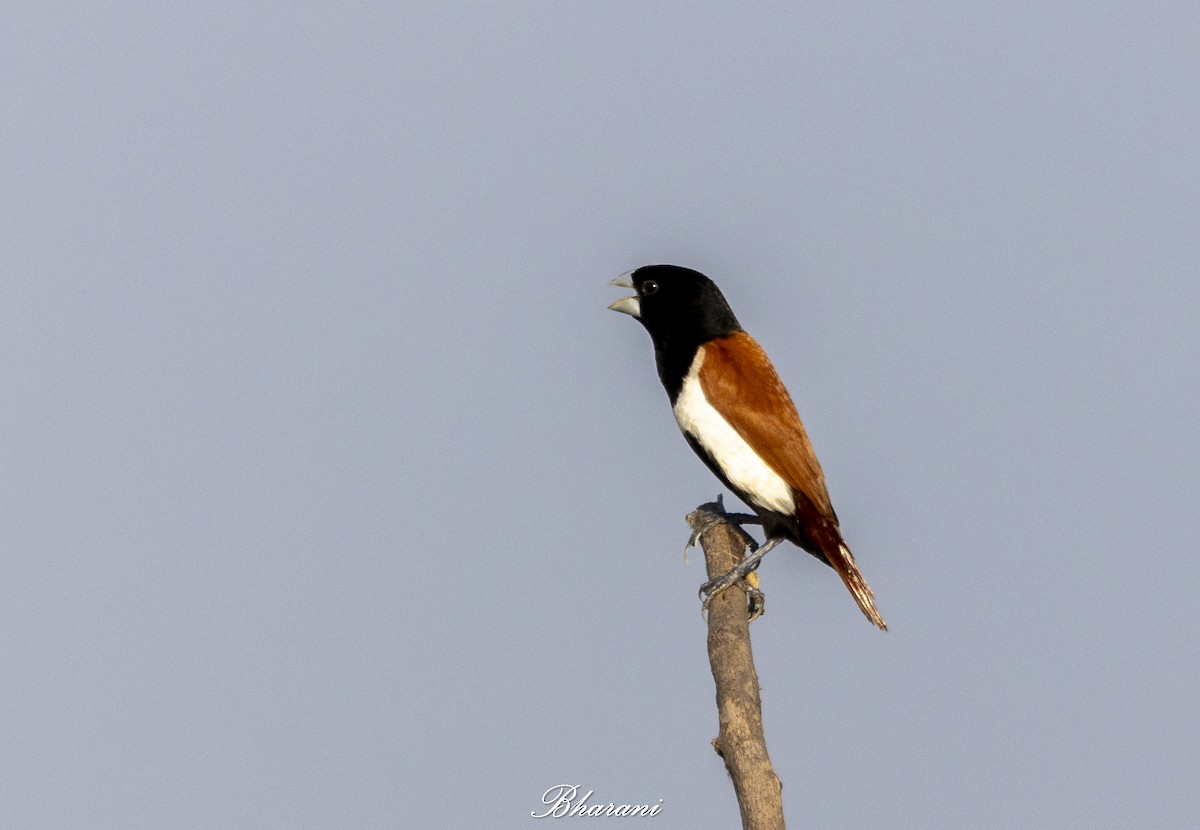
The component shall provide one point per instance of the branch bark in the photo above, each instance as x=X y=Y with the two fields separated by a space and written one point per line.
x=740 y=742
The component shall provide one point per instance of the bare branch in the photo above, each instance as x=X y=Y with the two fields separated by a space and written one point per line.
x=740 y=743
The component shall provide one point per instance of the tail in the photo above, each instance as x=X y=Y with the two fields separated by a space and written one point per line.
x=818 y=533
x=842 y=561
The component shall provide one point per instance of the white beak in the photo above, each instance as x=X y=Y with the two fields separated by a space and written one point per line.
x=626 y=305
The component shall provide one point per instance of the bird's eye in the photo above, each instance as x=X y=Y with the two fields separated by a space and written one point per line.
x=649 y=287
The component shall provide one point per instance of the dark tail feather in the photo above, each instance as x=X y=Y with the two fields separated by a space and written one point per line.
x=842 y=561
x=821 y=537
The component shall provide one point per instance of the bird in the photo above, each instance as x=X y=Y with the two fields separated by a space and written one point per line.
x=738 y=417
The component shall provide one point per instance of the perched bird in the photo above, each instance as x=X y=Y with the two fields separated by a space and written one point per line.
x=738 y=417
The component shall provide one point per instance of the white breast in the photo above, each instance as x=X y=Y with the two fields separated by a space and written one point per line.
x=741 y=465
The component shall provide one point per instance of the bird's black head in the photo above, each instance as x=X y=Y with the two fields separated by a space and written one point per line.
x=674 y=302
x=681 y=309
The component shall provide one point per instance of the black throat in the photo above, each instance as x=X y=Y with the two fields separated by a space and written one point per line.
x=674 y=356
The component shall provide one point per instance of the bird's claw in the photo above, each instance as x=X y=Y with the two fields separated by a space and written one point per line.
x=709 y=520
x=703 y=526
x=756 y=601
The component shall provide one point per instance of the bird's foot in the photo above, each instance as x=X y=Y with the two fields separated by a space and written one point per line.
x=708 y=520
x=756 y=601
x=743 y=573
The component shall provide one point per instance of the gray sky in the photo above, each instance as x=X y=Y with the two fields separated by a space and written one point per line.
x=333 y=496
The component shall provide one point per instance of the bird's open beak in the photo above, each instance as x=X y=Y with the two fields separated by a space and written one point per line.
x=626 y=305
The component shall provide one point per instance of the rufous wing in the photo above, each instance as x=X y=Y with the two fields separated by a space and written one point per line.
x=739 y=381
